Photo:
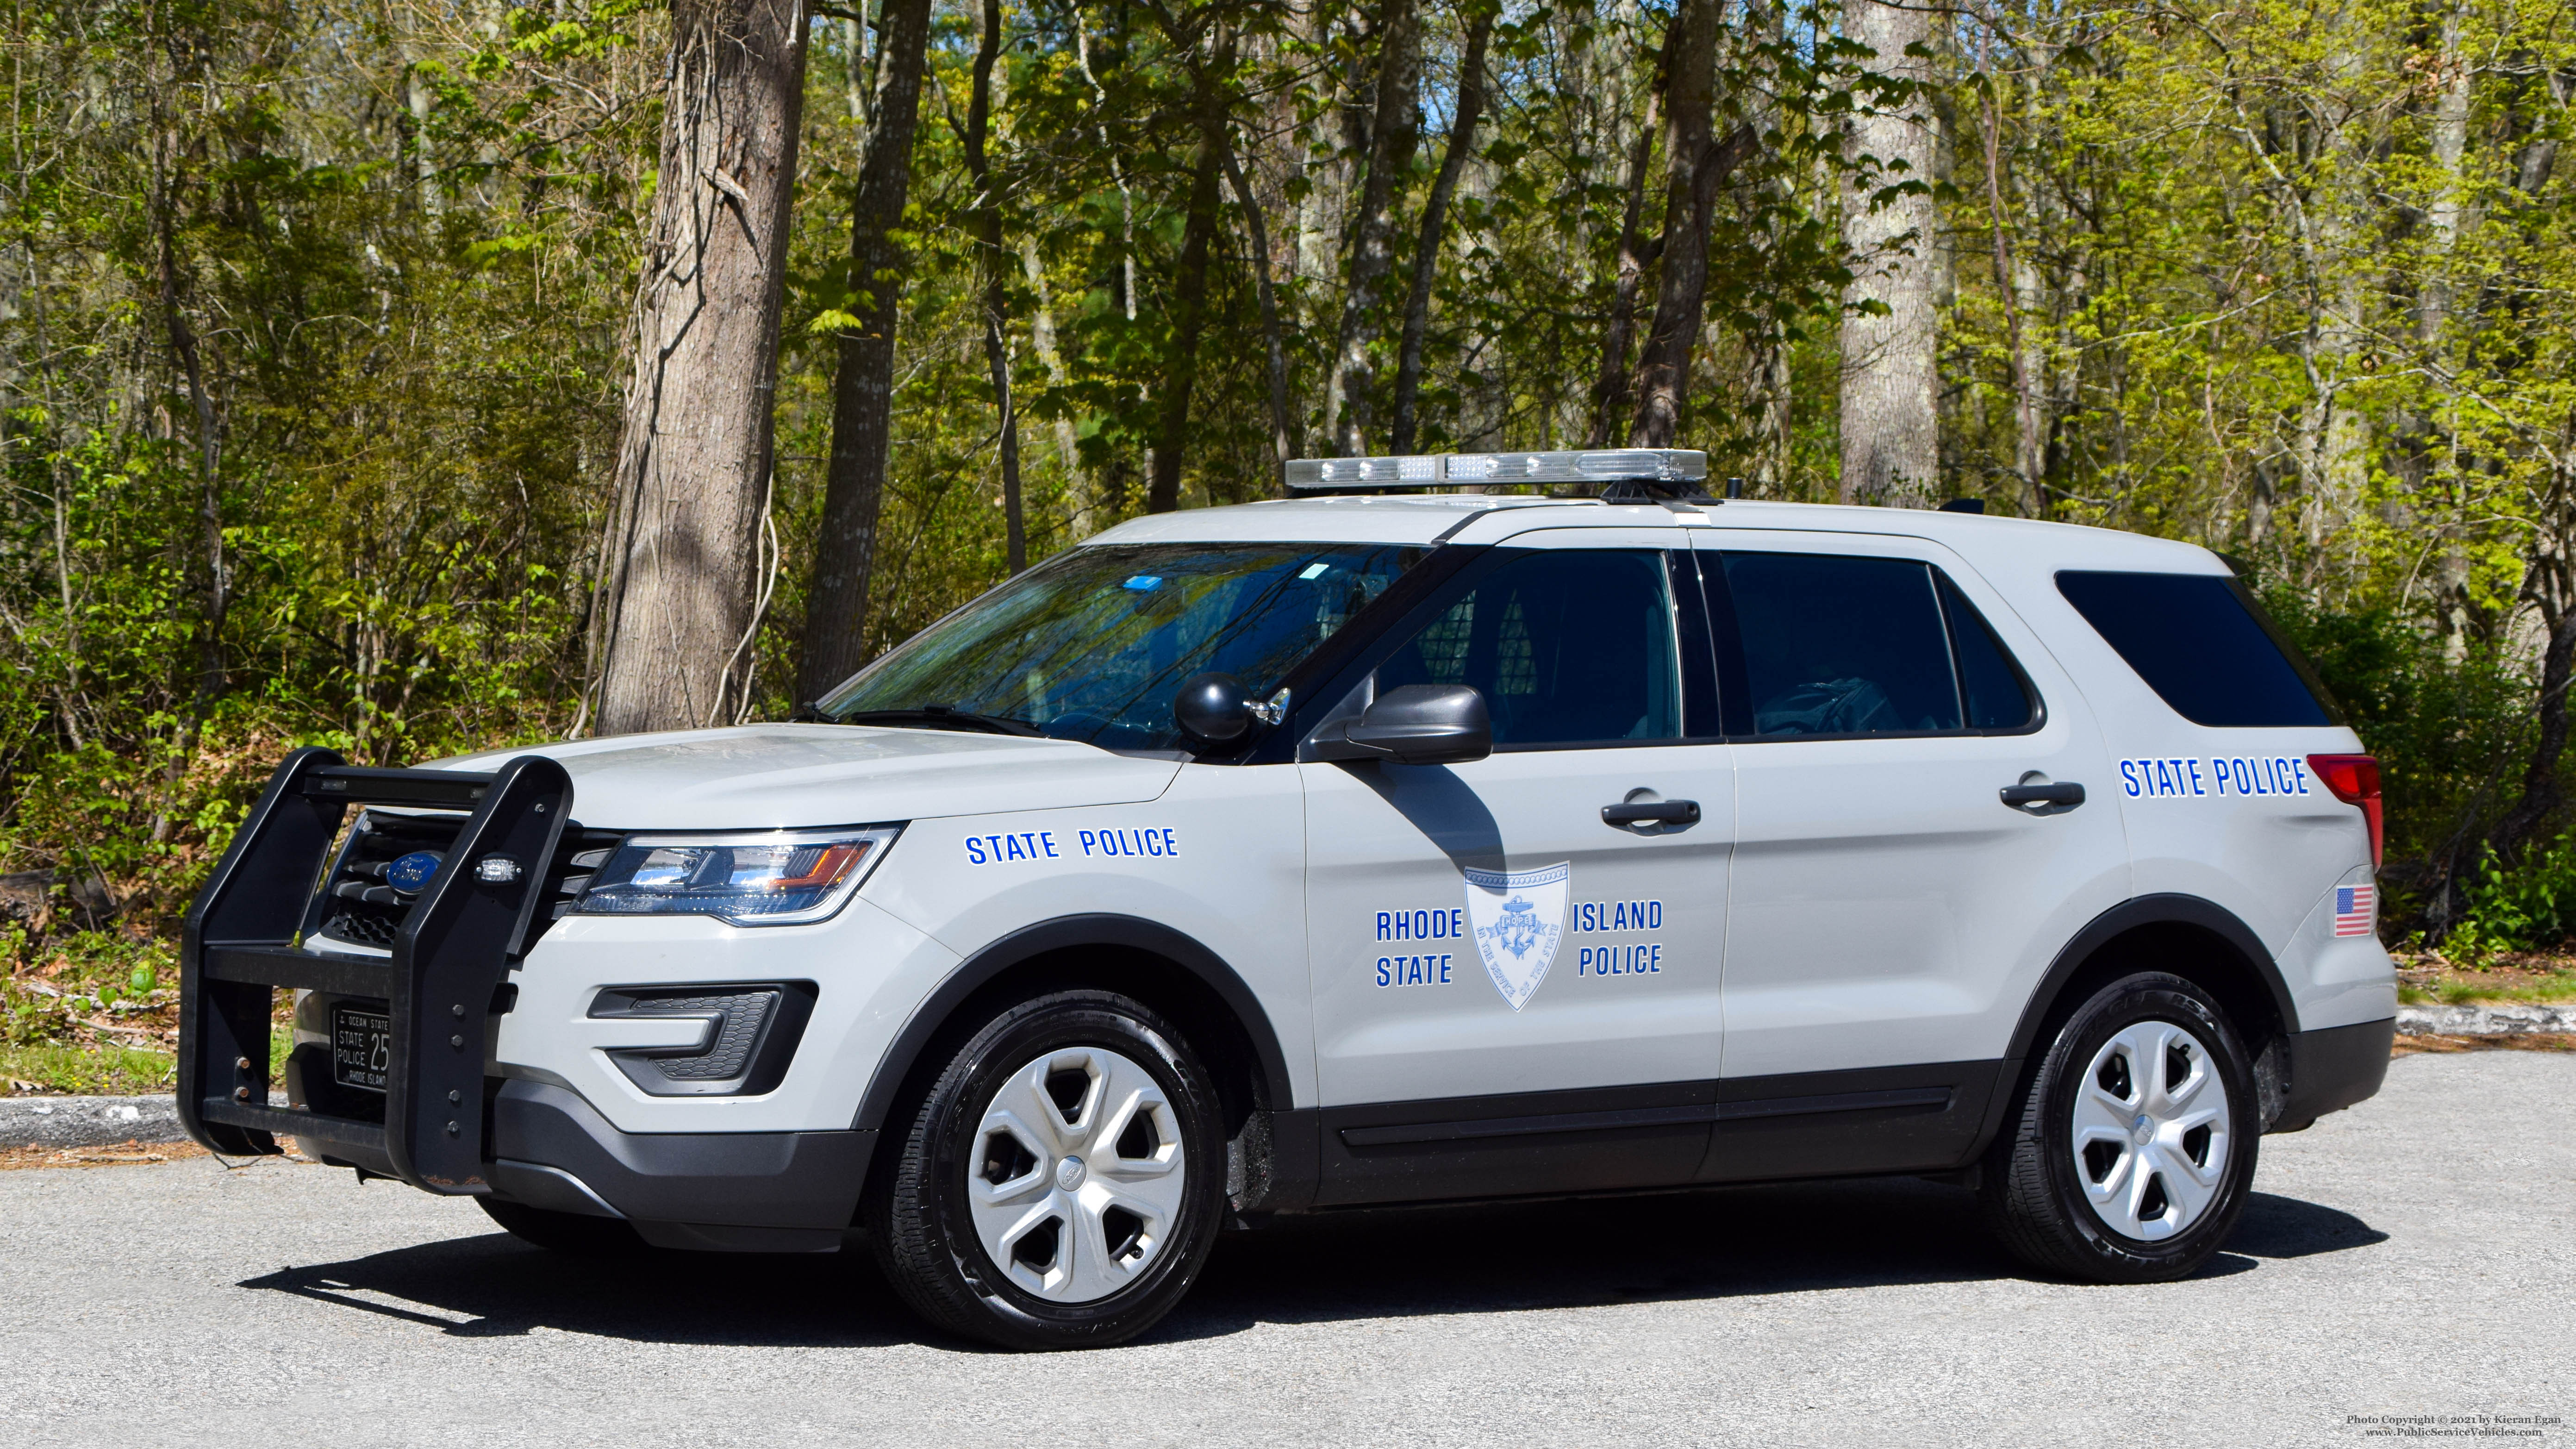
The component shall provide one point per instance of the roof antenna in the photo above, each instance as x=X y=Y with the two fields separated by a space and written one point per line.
x=1734 y=487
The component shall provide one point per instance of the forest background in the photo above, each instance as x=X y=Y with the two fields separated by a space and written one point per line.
x=317 y=320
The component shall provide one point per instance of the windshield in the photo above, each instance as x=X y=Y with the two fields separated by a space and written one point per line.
x=1093 y=644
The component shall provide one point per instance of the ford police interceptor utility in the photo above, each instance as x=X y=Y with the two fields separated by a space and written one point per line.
x=1346 y=850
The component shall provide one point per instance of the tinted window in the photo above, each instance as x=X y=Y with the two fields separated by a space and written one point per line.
x=1093 y=643
x=1992 y=687
x=2196 y=640
x=1567 y=646
x=1842 y=646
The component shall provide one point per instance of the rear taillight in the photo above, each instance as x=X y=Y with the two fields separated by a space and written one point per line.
x=2354 y=779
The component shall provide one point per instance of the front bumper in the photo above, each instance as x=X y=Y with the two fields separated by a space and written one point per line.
x=2332 y=1068
x=728 y=1191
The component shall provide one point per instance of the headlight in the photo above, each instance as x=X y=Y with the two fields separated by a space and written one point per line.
x=777 y=878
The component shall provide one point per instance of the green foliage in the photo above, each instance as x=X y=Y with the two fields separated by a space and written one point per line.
x=2450 y=726
x=2531 y=907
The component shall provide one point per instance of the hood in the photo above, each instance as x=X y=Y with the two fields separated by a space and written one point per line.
x=784 y=775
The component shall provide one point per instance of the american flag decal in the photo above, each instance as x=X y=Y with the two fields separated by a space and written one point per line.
x=2353 y=907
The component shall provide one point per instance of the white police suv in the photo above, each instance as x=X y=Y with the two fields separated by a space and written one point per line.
x=1348 y=850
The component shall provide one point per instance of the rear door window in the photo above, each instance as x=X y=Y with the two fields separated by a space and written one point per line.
x=2203 y=645
x=1841 y=646
x=1991 y=686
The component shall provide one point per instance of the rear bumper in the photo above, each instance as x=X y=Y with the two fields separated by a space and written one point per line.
x=2332 y=1068
x=749 y=1191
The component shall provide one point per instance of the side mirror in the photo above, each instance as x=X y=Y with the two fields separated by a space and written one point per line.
x=1212 y=707
x=1419 y=724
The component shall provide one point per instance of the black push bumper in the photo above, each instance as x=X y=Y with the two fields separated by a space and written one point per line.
x=441 y=987
x=2332 y=1068
x=443 y=1123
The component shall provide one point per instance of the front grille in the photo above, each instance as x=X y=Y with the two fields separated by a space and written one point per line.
x=358 y=905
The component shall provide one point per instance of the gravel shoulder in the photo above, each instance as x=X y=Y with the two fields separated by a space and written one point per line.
x=2408 y=1257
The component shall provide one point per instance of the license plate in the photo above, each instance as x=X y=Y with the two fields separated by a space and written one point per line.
x=361 y=1047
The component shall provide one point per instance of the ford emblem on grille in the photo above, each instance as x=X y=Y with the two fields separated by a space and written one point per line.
x=409 y=873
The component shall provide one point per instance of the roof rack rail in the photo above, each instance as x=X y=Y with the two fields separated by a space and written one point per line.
x=1640 y=475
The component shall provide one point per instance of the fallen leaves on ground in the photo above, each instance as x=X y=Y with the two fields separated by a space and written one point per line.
x=2520 y=1041
x=129 y=1153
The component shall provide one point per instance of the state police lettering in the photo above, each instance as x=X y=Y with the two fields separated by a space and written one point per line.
x=2182 y=777
x=1633 y=958
x=1434 y=925
x=1438 y=924
x=1414 y=970
x=1155 y=842
x=996 y=849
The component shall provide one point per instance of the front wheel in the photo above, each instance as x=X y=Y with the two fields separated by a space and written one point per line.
x=2130 y=1156
x=1061 y=1180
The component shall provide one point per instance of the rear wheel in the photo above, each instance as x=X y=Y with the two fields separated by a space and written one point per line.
x=1060 y=1182
x=571 y=1234
x=2131 y=1155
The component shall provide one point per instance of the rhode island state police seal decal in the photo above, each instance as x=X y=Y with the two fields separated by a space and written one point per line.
x=1518 y=917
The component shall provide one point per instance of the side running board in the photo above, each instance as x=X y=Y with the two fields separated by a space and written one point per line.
x=454 y=949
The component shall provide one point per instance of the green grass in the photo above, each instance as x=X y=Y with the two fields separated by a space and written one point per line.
x=105 y=1071
x=91 y=1071
x=2554 y=989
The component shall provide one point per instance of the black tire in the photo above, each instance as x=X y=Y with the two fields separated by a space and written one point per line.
x=2034 y=1190
x=572 y=1234
x=921 y=1224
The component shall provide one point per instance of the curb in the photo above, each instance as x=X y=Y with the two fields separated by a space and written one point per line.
x=2484 y=1020
x=88 y=1121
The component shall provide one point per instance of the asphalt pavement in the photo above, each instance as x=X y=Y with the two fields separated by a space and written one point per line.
x=2411 y=1259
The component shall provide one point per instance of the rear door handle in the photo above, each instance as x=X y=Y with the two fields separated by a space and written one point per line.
x=1652 y=812
x=2065 y=793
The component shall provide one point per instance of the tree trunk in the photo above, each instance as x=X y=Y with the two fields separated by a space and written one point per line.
x=212 y=666
x=1610 y=388
x=1284 y=441
x=836 y=614
x=2337 y=237
x=1695 y=165
x=1042 y=335
x=2015 y=284
x=988 y=266
x=2540 y=793
x=1891 y=444
x=1189 y=315
x=1435 y=221
x=693 y=467
x=1391 y=137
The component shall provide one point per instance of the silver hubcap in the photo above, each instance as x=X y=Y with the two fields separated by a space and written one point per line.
x=2151 y=1131
x=1078 y=1174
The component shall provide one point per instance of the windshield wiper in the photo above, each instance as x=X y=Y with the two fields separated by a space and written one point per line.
x=940 y=716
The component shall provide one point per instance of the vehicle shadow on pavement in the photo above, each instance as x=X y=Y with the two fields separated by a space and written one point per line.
x=1713 y=1244
x=1380 y=1264
x=494 y=1286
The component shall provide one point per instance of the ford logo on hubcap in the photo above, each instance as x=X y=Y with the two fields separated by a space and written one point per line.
x=409 y=873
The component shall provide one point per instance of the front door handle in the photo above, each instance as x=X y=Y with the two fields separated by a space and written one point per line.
x=2066 y=793
x=1652 y=812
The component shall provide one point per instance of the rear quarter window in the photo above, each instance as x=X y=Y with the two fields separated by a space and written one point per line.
x=2203 y=644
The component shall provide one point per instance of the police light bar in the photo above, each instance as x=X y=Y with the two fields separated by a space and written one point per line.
x=1450 y=470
